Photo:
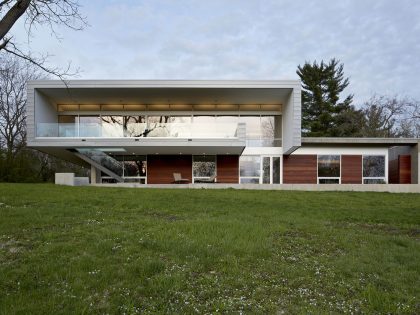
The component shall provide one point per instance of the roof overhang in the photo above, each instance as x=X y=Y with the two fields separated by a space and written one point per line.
x=156 y=92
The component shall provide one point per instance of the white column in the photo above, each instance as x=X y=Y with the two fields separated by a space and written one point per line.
x=95 y=175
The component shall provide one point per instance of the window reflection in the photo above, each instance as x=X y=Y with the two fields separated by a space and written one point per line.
x=374 y=169
x=134 y=126
x=373 y=166
x=328 y=166
x=260 y=130
x=133 y=165
x=67 y=125
x=266 y=170
x=112 y=126
x=204 y=166
x=276 y=170
x=249 y=169
x=90 y=126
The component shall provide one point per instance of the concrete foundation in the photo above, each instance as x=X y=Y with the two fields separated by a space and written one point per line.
x=392 y=188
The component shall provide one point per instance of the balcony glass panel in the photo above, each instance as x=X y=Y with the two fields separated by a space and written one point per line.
x=47 y=130
x=67 y=130
x=119 y=128
x=67 y=125
x=112 y=126
x=89 y=126
x=134 y=126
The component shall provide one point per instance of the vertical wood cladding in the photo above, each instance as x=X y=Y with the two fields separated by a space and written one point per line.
x=399 y=170
x=228 y=169
x=300 y=169
x=404 y=165
x=160 y=168
x=351 y=169
x=393 y=170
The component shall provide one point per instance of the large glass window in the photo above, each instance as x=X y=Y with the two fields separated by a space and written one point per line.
x=276 y=170
x=374 y=169
x=250 y=169
x=134 y=126
x=204 y=126
x=204 y=167
x=67 y=125
x=169 y=126
x=156 y=126
x=253 y=126
x=90 y=126
x=134 y=167
x=262 y=131
x=266 y=170
x=328 y=169
x=112 y=126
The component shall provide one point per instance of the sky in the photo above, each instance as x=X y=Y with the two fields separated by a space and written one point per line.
x=378 y=41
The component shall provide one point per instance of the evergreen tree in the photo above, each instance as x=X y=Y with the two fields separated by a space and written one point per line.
x=322 y=112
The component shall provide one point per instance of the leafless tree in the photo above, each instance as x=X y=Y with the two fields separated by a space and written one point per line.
x=14 y=73
x=391 y=116
x=50 y=13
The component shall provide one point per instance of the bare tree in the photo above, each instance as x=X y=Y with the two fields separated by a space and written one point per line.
x=386 y=116
x=50 y=13
x=14 y=73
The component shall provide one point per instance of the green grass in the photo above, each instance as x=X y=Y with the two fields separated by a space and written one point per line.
x=87 y=250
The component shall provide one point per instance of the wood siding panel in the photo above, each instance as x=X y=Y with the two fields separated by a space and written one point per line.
x=160 y=168
x=300 y=169
x=399 y=170
x=351 y=169
x=393 y=170
x=228 y=169
x=404 y=165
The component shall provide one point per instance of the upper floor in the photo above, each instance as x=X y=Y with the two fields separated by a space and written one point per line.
x=217 y=114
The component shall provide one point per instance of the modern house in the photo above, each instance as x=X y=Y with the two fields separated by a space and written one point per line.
x=222 y=131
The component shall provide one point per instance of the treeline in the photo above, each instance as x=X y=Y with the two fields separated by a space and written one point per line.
x=327 y=113
x=17 y=162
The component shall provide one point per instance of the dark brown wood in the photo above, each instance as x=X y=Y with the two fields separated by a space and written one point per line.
x=404 y=165
x=351 y=169
x=160 y=168
x=228 y=169
x=300 y=169
x=393 y=170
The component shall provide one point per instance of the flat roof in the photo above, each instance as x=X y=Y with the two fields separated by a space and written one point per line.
x=384 y=141
x=176 y=92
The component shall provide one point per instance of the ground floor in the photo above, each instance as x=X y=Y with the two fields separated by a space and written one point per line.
x=308 y=165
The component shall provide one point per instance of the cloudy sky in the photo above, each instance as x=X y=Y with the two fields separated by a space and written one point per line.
x=377 y=40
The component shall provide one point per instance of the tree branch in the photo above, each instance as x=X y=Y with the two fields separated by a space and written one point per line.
x=15 y=12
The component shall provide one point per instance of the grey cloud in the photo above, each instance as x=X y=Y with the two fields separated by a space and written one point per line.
x=376 y=40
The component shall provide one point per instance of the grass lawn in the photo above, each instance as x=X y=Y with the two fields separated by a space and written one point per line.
x=90 y=250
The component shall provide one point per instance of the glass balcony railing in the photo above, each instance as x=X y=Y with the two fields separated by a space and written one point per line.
x=134 y=130
x=263 y=142
x=155 y=130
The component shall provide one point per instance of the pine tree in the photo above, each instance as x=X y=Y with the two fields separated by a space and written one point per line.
x=322 y=111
